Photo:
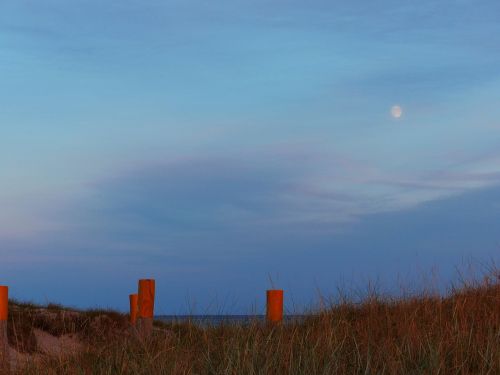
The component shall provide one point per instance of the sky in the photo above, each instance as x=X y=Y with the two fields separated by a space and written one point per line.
x=227 y=147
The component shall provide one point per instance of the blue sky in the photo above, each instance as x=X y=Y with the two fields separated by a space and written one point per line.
x=216 y=145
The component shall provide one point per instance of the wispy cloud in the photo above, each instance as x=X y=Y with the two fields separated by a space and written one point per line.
x=219 y=219
x=274 y=192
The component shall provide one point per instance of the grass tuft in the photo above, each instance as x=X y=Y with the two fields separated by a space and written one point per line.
x=424 y=334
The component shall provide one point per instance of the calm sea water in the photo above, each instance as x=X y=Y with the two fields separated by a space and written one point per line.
x=215 y=320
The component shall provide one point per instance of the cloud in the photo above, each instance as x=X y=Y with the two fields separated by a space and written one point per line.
x=432 y=79
x=209 y=224
x=184 y=203
x=121 y=234
x=279 y=191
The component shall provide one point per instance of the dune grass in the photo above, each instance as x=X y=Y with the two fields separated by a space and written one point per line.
x=425 y=334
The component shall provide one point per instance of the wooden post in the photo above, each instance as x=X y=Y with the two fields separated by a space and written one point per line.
x=146 y=307
x=133 y=308
x=274 y=311
x=4 y=340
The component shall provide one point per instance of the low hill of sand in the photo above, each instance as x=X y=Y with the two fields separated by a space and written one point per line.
x=424 y=333
x=36 y=332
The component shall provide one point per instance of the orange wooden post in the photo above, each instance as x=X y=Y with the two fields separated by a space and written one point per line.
x=274 y=312
x=146 y=302
x=134 y=309
x=4 y=341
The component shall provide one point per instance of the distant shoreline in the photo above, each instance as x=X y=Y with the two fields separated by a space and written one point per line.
x=217 y=319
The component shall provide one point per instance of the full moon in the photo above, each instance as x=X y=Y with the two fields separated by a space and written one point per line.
x=396 y=111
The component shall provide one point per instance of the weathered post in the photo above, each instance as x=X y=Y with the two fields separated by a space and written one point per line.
x=274 y=311
x=4 y=341
x=133 y=308
x=146 y=307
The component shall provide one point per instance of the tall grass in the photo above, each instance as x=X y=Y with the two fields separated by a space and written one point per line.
x=425 y=334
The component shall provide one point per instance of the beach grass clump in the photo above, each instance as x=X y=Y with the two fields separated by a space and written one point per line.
x=425 y=334
x=89 y=325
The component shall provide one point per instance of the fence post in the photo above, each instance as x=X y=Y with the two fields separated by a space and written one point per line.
x=4 y=340
x=274 y=311
x=146 y=302
x=133 y=308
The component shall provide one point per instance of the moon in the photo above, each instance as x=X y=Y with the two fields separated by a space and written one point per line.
x=396 y=111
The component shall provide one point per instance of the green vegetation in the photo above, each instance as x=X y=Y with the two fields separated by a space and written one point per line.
x=426 y=334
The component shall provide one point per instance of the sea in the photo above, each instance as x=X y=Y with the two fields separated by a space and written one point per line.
x=217 y=320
